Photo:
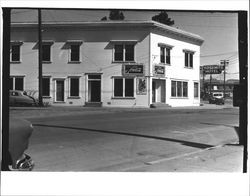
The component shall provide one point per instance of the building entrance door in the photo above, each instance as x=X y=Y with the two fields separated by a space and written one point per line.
x=158 y=91
x=94 y=88
x=59 y=90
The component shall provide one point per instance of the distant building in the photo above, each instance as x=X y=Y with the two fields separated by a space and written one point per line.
x=218 y=86
x=108 y=63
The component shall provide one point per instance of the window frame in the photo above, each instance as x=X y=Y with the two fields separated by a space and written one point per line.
x=47 y=43
x=189 y=58
x=71 y=43
x=166 y=50
x=49 y=78
x=14 y=82
x=70 y=82
x=124 y=53
x=19 y=44
x=43 y=60
x=124 y=89
x=180 y=89
x=196 y=97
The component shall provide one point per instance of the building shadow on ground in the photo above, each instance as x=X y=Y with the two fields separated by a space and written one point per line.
x=183 y=142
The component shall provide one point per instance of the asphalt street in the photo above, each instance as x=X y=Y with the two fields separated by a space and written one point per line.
x=131 y=139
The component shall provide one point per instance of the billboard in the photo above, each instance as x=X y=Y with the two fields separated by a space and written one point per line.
x=212 y=69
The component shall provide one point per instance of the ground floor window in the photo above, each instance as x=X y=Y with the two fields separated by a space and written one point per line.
x=46 y=86
x=196 y=89
x=74 y=86
x=124 y=87
x=179 y=89
x=16 y=83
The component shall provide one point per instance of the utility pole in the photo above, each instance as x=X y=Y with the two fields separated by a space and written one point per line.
x=224 y=63
x=243 y=68
x=40 y=70
x=203 y=82
x=5 y=155
x=210 y=86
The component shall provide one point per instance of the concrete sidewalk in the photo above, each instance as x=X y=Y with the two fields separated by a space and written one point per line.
x=226 y=158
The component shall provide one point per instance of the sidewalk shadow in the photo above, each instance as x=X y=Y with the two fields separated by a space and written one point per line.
x=186 y=143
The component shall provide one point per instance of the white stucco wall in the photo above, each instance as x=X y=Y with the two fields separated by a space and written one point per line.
x=96 y=53
x=176 y=70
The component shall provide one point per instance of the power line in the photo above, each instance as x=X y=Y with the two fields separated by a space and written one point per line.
x=210 y=55
x=201 y=14
x=210 y=26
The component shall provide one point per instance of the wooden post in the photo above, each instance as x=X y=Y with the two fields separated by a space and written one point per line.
x=5 y=90
x=40 y=70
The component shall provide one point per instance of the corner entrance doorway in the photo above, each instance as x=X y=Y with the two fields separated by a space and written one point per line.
x=158 y=91
x=94 y=88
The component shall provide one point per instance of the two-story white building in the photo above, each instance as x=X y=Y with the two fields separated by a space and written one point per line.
x=108 y=63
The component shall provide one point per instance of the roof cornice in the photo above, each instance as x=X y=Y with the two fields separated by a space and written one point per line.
x=108 y=24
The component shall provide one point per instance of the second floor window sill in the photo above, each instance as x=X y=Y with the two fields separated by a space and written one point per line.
x=46 y=62
x=74 y=62
x=167 y=64
x=15 y=62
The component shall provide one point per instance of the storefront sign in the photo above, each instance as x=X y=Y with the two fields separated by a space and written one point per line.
x=134 y=70
x=159 y=70
x=212 y=69
x=141 y=86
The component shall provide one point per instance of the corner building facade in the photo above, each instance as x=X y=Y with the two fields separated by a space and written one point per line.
x=107 y=63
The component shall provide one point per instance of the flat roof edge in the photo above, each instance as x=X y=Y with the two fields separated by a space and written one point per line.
x=149 y=23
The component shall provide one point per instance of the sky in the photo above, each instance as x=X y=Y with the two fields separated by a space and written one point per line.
x=219 y=29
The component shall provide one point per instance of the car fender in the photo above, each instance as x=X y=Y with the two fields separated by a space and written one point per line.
x=19 y=133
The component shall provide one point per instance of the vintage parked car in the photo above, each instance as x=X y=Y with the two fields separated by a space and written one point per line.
x=19 y=134
x=216 y=98
x=20 y=98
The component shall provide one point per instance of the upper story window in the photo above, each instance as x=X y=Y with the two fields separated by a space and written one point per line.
x=15 y=51
x=124 y=51
x=165 y=53
x=46 y=51
x=188 y=58
x=74 y=53
x=74 y=50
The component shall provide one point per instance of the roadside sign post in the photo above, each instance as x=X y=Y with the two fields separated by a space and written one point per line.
x=224 y=63
x=211 y=69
